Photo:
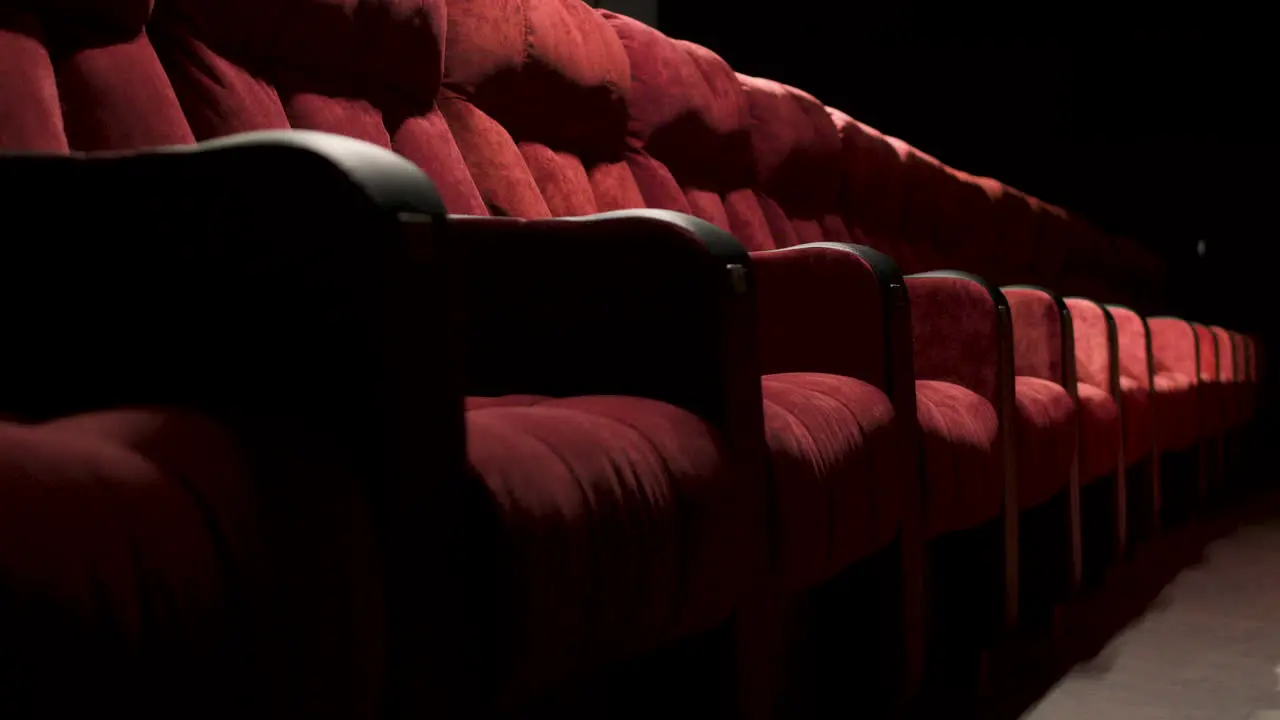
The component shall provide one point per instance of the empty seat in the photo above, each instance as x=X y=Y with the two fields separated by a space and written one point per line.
x=664 y=484
x=1042 y=416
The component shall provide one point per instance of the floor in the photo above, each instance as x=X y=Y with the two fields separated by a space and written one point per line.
x=1207 y=648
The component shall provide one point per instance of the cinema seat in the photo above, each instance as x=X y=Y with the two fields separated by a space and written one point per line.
x=604 y=418
x=1213 y=410
x=1143 y=445
x=1043 y=415
x=189 y=524
x=1176 y=407
x=839 y=461
x=1106 y=433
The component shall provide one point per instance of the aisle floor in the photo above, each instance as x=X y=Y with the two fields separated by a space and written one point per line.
x=1208 y=649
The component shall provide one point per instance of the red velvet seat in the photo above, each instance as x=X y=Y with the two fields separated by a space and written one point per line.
x=182 y=518
x=1102 y=432
x=124 y=533
x=1181 y=406
x=1175 y=404
x=665 y=477
x=1135 y=383
x=1226 y=375
x=618 y=514
x=1213 y=394
x=827 y=401
x=1043 y=415
x=537 y=94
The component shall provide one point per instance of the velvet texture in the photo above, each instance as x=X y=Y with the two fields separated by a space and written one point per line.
x=1175 y=401
x=616 y=519
x=1101 y=429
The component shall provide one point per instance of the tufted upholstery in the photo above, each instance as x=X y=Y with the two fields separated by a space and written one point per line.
x=611 y=472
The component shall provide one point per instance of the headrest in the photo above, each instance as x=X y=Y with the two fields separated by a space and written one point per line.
x=550 y=71
x=725 y=110
x=382 y=50
x=670 y=94
x=795 y=145
x=873 y=172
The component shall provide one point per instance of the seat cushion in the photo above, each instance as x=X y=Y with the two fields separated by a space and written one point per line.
x=1100 y=433
x=1175 y=411
x=1136 y=402
x=838 y=463
x=962 y=475
x=620 y=527
x=125 y=541
x=1045 y=432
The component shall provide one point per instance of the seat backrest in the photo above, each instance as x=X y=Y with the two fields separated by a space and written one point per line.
x=84 y=76
x=1240 y=351
x=1226 y=354
x=536 y=92
x=1010 y=231
x=1255 y=358
x=795 y=152
x=874 y=188
x=1208 y=355
x=1049 y=256
x=689 y=121
x=1093 y=351
x=129 y=75
x=744 y=158
x=1132 y=340
x=889 y=188
x=1175 y=347
x=966 y=228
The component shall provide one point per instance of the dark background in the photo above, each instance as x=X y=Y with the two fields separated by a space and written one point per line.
x=1160 y=127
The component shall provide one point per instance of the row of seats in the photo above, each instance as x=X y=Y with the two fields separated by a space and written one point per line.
x=701 y=389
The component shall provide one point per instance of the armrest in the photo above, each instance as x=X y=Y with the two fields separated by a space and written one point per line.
x=223 y=275
x=295 y=286
x=649 y=303
x=836 y=308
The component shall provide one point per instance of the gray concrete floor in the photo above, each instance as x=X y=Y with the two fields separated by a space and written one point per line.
x=1209 y=649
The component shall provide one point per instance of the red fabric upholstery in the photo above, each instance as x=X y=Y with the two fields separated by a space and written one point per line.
x=722 y=148
x=960 y=431
x=1175 y=404
x=1101 y=433
x=1135 y=383
x=127 y=533
x=1227 y=376
x=834 y=442
x=1213 y=394
x=1045 y=417
x=614 y=525
x=1045 y=428
x=206 y=68
x=875 y=199
x=585 y=151
x=1101 y=428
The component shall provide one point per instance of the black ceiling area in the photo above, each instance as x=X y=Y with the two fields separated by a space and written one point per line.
x=1161 y=127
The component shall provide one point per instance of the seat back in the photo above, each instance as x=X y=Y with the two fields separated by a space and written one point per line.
x=1175 y=347
x=1209 y=355
x=1093 y=348
x=1226 y=354
x=536 y=95
x=1133 y=345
